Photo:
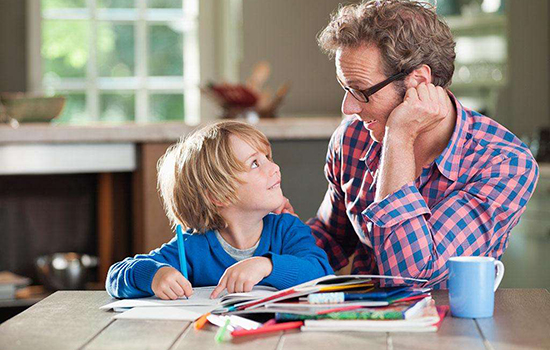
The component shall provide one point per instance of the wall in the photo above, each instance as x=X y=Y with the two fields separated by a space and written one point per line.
x=283 y=32
x=524 y=105
x=12 y=41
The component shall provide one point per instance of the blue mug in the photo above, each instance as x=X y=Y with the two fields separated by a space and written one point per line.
x=472 y=285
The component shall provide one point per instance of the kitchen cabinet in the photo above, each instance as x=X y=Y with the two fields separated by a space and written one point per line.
x=527 y=259
x=481 y=66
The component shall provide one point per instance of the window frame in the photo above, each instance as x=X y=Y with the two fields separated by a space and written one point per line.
x=198 y=42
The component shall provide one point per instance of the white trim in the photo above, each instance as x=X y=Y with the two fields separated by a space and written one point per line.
x=125 y=83
x=67 y=159
x=93 y=108
x=210 y=53
x=34 y=43
x=141 y=60
x=122 y=15
x=231 y=39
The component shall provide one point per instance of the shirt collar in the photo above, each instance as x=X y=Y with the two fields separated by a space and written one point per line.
x=448 y=162
x=371 y=157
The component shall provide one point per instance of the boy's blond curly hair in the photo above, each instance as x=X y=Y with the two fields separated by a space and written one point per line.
x=202 y=169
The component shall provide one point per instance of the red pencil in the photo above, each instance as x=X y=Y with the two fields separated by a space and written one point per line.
x=268 y=329
x=339 y=309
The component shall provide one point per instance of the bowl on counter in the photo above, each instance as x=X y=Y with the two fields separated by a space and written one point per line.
x=65 y=270
x=26 y=108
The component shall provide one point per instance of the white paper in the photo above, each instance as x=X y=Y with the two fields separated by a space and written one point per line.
x=160 y=313
x=234 y=321
x=200 y=297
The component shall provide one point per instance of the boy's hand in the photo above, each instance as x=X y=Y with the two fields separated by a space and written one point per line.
x=244 y=275
x=169 y=283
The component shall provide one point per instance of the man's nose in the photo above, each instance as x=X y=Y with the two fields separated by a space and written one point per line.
x=350 y=105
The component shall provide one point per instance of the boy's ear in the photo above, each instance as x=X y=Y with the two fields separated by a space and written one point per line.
x=215 y=201
x=422 y=74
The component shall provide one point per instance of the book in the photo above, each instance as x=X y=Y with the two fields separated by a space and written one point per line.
x=323 y=284
x=399 y=311
x=426 y=318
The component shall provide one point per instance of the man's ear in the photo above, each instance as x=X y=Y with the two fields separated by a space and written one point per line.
x=422 y=74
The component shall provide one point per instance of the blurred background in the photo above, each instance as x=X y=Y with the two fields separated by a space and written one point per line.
x=131 y=72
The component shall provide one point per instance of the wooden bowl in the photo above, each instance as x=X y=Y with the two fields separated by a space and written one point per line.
x=30 y=109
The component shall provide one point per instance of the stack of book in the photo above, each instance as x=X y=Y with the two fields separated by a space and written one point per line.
x=349 y=303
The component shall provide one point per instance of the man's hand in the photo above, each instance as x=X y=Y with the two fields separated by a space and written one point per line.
x=423 y=108
x=244 y=275
x=286 y=207
x=169 y=283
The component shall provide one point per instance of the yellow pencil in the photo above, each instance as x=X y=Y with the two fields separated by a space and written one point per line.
x=349 y=286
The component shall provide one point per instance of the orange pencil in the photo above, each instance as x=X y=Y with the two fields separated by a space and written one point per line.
x=201 y=321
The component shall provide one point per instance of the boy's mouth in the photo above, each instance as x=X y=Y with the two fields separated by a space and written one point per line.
x=276 y=185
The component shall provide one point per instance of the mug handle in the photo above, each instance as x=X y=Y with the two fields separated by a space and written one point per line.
x=500 y=273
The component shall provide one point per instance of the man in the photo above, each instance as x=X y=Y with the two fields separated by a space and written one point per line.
x=414 y=177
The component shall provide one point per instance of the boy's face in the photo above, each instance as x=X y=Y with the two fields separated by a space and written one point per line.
x=261 y=190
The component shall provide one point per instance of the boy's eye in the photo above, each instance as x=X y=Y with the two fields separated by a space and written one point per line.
x=255 y=164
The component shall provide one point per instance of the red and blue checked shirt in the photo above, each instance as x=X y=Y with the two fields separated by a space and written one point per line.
x=464 y=203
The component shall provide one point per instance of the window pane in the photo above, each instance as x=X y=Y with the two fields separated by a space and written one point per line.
x=164 y=4
x=116 y=4
x=166 y=107
x=74 y=110
x=65 y=48
x=165 y=51
x=115 y=50
x=56 y=4
x=117 y=107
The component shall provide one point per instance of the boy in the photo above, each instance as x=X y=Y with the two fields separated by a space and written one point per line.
x=222 y=184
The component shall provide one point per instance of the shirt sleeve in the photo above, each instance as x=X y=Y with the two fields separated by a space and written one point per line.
x=300 y=259
x=331 y=226
x=411 y=240
x=132 y=277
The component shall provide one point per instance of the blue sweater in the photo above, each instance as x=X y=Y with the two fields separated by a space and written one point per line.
x=285 y=240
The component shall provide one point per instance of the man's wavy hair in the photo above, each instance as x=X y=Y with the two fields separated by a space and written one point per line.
x=408 y=34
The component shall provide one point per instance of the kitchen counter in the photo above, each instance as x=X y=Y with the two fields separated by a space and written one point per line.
x=286 y=128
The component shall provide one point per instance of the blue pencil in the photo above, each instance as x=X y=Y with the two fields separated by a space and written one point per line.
x=181 y=252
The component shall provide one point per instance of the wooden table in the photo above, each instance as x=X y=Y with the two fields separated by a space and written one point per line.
x=72 y=320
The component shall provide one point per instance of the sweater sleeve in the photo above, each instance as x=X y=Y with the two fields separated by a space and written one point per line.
x=300 y=259
x=132 y=277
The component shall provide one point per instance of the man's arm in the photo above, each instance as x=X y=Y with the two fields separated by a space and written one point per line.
x=411 y=240
x=423 y=108
x=331 y=226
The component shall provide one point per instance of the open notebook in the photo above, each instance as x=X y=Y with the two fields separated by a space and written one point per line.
x=200 y=297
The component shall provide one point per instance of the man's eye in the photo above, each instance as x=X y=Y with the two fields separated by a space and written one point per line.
x=255 y=164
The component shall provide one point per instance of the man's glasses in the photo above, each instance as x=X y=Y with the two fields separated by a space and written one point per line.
x=363 y=95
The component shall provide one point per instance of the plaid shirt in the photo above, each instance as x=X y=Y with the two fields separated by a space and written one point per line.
x=464 y=203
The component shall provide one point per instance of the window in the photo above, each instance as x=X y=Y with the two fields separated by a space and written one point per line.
x=118 y=60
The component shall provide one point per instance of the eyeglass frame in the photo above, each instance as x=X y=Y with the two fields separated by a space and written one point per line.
x=373 y=89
